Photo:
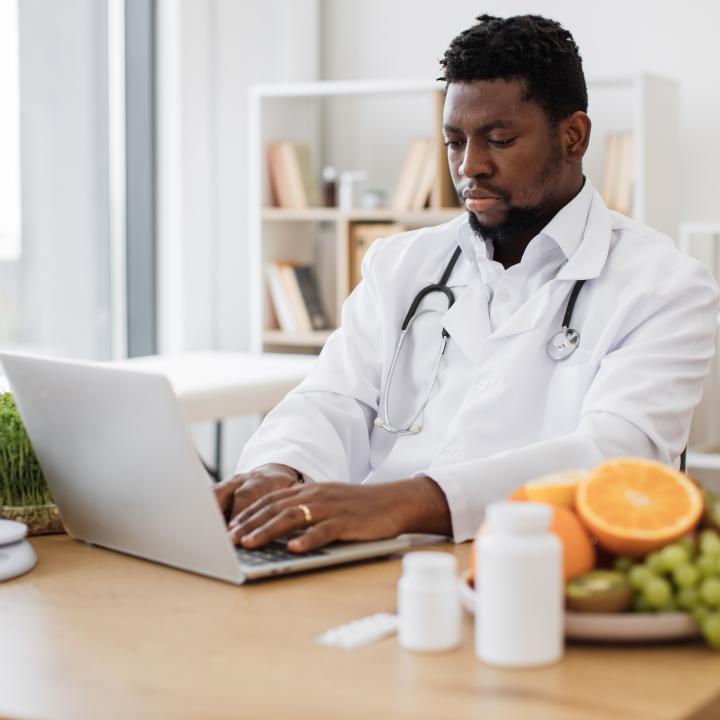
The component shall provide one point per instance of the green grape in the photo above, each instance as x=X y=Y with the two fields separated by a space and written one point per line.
x=709 y=542
x=672 y=556
x=640 y=604
x=710 y=591
x=699 y=613
x=711 y=629
x=689 y=543
x=623 y=564
x=687 y=598
x=686 y=575
x=655 y=562
x=706 y=565
x=670 y=606
x=638 y=575
x=658 y=592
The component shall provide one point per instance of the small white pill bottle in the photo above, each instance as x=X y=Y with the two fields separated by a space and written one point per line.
x=429 y=612
x=519 y=604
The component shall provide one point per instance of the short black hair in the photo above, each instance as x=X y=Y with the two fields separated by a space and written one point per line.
x=532 y=48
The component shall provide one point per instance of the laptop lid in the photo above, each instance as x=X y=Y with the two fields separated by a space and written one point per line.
x=120 y=462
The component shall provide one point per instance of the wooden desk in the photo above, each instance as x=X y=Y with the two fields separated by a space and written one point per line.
x=94 y=634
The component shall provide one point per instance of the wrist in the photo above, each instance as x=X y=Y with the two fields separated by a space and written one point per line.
x=421 y=507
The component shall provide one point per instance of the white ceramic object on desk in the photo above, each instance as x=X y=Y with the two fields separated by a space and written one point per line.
x=16 y=554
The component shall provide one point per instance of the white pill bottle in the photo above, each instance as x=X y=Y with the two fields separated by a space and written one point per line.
x=519 y=604
x=429 y=611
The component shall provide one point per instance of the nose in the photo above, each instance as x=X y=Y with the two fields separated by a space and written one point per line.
x=476 y=161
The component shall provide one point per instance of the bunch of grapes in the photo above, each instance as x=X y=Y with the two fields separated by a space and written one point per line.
x=681 y=577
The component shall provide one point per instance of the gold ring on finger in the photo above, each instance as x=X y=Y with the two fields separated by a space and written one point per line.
x=306 y=512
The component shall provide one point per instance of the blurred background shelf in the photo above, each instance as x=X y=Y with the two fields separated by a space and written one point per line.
x=281 y=338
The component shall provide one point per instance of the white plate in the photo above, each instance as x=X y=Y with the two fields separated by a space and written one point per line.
x=612 y=627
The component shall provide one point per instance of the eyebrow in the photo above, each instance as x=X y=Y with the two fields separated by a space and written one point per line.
x=487 y=127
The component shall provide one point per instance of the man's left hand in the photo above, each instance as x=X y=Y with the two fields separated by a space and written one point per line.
x=338 y=511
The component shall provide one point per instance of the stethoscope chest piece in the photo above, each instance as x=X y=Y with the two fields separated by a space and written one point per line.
x=563 y=344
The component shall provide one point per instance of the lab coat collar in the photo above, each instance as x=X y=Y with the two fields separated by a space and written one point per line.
x=468 y=322
x=591 y=254
x=569 y=224
x=581 y=230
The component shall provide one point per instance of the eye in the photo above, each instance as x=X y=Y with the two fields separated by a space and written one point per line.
x=454 y=144
x=501 y=143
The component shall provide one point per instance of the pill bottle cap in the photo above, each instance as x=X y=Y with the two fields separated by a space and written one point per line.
x=526 y=518
x=430 y=567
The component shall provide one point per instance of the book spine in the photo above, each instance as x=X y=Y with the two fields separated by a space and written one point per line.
x=310 y=291
x=280 y=299
x=297 y=304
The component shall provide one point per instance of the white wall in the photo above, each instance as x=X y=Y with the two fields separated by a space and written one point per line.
x=406 y=38
x=210 y=52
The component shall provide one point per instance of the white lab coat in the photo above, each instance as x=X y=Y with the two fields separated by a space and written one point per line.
x=502 y=411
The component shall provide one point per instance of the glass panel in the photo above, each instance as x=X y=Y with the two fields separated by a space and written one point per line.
x=55 y=283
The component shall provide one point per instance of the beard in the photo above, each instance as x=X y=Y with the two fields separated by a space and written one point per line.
x=519 y=219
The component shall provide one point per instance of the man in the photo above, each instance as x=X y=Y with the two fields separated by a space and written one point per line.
x=510 y=400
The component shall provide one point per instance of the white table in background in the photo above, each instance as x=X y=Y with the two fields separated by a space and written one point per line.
x=217 y=385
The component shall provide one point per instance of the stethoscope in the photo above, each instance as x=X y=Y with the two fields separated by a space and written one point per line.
x=560 y=346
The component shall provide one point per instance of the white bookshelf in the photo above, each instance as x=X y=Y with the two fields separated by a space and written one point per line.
x=368 y=124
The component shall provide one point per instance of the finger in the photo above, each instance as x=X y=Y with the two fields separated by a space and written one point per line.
x=259 y=487
x=225 y=490
x=317 y=535
x=261 y=503
x=287 y=520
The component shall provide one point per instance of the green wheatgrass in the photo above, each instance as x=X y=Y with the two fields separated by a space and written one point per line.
x=21 y=480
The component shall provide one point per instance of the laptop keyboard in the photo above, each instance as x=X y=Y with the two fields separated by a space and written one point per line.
x=272 y=553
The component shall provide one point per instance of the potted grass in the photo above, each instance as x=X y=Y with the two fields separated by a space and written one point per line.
x=24 y=494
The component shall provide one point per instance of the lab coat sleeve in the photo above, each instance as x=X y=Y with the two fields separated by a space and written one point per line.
x=639 y=403
x=322 y=428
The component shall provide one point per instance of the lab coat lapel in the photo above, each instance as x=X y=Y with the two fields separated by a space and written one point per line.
x=467 y=320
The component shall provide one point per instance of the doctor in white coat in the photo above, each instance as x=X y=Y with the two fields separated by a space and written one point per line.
x=501 y=410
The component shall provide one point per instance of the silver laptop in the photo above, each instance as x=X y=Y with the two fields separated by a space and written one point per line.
x=123 y=471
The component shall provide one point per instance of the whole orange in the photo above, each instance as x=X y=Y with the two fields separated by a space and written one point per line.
x=578 y=549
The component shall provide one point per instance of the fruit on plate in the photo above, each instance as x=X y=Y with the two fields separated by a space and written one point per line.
x=635 y=506
x=683 y=576
x=578 y=549
x=555 y=489
x=599 y=591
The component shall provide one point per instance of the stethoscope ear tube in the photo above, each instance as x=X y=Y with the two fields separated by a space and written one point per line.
x=421 y=296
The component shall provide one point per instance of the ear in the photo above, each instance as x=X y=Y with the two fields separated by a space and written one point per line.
x=575 y=135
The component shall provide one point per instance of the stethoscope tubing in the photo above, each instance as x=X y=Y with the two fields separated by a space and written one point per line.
x=412 y=427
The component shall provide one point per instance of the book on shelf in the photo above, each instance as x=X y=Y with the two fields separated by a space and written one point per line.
x=362 y=236
x=310 y=292
x=289 y=166
x=295 y=296
x=414 y=166
x=617 y=184
x=443 y=192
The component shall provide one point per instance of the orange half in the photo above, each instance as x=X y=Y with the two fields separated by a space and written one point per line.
x=556 y=489
x=634 y=506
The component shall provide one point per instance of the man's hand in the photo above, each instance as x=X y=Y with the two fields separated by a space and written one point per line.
x=342 y=512
x=242 y=490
